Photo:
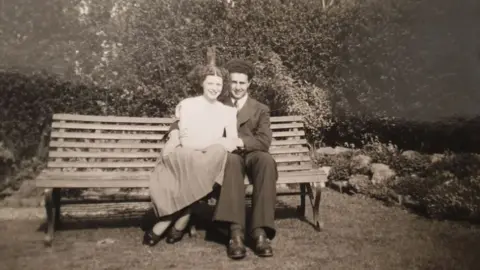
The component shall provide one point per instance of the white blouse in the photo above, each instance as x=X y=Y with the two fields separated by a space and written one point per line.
x=202 y=122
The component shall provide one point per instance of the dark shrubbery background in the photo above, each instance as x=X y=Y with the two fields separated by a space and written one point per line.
x=404 y=72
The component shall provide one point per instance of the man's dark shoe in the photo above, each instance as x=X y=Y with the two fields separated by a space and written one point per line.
x=236 y=248
x=263 y=247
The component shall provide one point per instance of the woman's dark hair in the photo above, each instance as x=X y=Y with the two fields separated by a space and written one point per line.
x=200 y=72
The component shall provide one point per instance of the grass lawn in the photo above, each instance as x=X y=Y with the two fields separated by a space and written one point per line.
x=359 y=233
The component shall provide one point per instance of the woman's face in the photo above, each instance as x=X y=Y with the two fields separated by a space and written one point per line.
x=212 y=87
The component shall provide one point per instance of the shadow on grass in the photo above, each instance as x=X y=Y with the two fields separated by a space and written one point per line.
x=202 y=215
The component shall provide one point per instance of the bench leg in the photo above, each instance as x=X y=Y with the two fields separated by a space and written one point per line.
x=56 y=205
x=52 y=207
x=315 y=200
x=301 y=207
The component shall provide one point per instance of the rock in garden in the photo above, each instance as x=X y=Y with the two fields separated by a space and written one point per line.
x=29 y=202
x=437 y=157
x=339 y=150
x=360 y=164
x=326 y=151
x=410 y=154
x=6 y=192
x=326 y=169
x=12 y=201
x=28 y=189
x=359 y=182
x=381 y=173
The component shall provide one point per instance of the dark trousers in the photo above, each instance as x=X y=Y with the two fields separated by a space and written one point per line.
x=262 y=173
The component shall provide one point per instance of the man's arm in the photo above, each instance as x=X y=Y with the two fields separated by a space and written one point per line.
x=174 y=126
x=262 y=138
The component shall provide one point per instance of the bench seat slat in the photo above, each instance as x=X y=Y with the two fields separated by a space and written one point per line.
x=111 y=119
x=298 y=125
x=282 y=150
x=119 y=145
x=111 y=127
x=105 y=165
x=293 y=118
x=75 y=154
x=141 y=180
x=106 y=136
x=289 y=142
x=288 y=134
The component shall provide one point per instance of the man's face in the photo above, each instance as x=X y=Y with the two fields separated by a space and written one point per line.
x=240 y=85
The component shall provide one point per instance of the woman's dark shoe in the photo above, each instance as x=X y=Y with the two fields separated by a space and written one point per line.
x=151 y=239
x=175 y=235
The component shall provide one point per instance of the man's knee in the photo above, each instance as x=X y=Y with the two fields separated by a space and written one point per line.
x=235 y=161
x=235 y=166
x=261 y=159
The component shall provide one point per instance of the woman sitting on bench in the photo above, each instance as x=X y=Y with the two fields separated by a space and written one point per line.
x=194 y=161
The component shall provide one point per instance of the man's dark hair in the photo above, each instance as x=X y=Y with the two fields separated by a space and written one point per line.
x=241 y=66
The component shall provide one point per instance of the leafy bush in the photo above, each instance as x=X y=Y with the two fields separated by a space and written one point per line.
x=416 y=165
x=287 y=96
x=381 y=152
x=341 y=168
x=455 y=199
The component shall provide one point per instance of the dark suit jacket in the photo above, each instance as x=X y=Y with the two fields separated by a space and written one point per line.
x=253 y=123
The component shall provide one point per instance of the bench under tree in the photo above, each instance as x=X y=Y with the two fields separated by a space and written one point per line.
x=120 y=152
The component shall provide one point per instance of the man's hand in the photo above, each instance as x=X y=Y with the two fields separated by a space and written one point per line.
x=239 y=143
x=172 y=143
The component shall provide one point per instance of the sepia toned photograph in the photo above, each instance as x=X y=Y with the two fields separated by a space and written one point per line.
x=240 y=134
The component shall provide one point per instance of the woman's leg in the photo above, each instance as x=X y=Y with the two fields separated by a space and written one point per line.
x=178 y=229
x=182 y=222
x=153 y=236
x=161 y=226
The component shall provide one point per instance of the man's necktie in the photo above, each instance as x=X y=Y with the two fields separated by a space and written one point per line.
x=235 y=103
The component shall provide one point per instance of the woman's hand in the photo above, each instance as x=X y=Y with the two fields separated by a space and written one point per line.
x=229 y=144
x=183 y=133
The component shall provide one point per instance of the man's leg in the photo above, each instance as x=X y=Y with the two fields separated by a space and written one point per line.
x=231 y=204
x=262 y=171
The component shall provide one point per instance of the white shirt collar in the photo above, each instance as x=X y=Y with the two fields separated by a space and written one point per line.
x=241 y=102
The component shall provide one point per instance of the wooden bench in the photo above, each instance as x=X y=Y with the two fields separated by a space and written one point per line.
x=120 y=152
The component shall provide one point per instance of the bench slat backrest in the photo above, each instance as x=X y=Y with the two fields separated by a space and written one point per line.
x=112 y=143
